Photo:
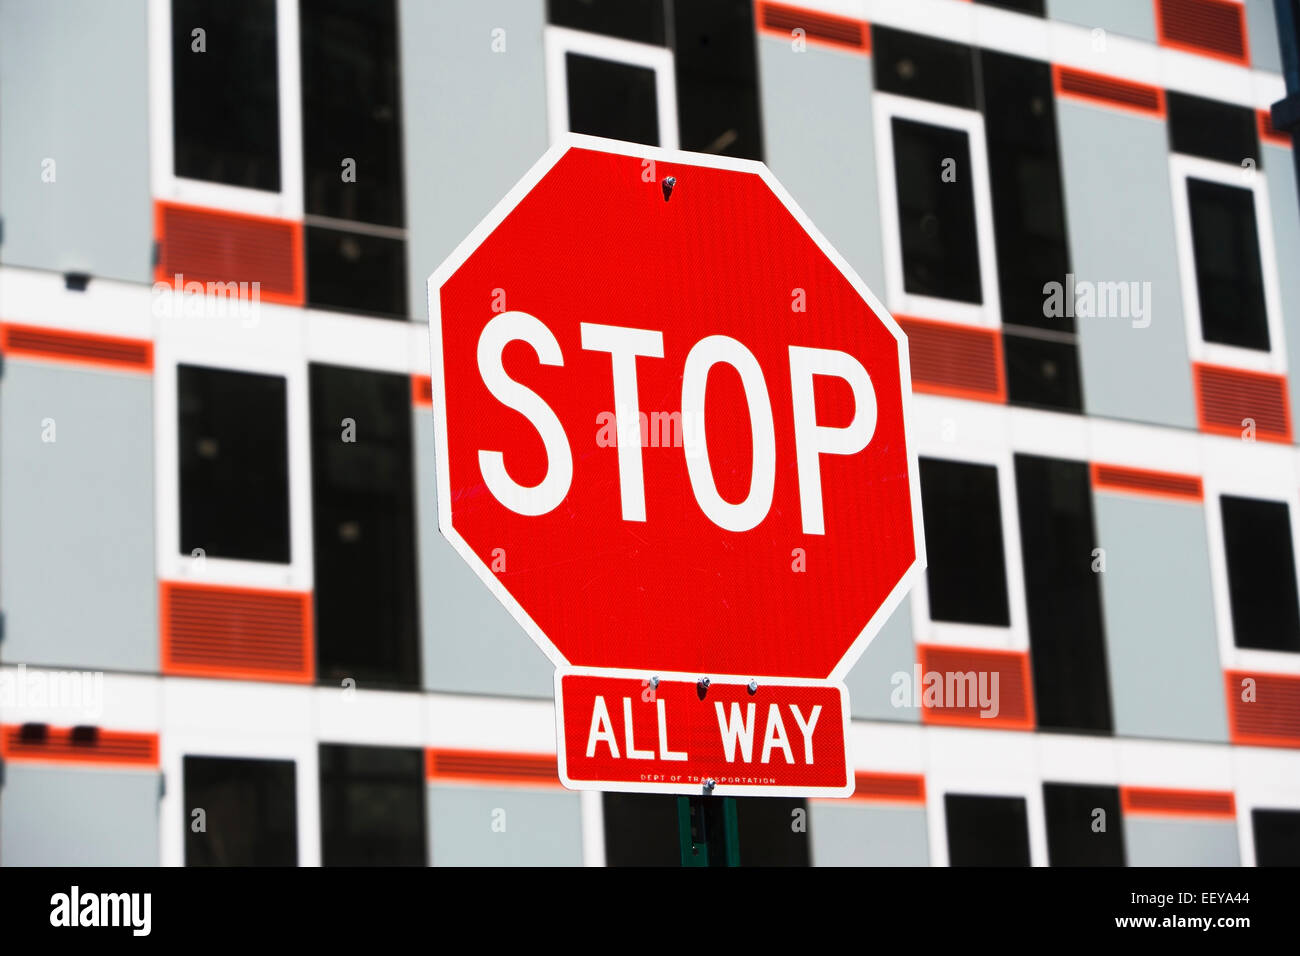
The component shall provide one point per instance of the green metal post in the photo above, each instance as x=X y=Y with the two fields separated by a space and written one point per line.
x=709 y=831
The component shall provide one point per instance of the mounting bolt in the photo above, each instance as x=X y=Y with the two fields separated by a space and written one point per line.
x=702 y=687
x=752 y=686
x=709 y=785
x=668 y=184
x=654 y=683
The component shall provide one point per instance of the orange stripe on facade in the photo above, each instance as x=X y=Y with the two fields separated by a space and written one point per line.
x=1098 y=89
x=845 y=33
x=1154 y=801
x=1215 y=28
x=1263 y=709
x=422 y=391
x=1270 y=133
x=889 y=788
x=90 y=746
x=963 y=672
x=959 y=361
x=1231 y=400
x=1139 y=481
x=491 y=768
x=81 y=348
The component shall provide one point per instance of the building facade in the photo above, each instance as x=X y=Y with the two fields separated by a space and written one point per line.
x=232 y=633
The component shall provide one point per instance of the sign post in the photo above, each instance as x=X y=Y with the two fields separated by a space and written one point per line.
x=671 y=437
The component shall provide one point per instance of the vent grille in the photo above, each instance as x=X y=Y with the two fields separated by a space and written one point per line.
x=239 y=633
x=491 y=767
x=1210 y=27
x=1097 y=88
x=892 y=787
x=1272 y=719
x=1014 y=698
x=1270 y=133
x=88 y=745
x=1227 y=397
x=1162 y=484
x=105 y=350
x=1200 y=803
x=204 y=245
x=842 y=32
x=955 y=360
x=422 y=390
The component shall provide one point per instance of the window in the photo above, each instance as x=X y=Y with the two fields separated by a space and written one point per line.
x=966 y=579
x=909 y=64
x=641 y=829
x=372 y=806
x=986 y=831
x=1261 y=573
x=234 y=464
x=249 y=812
x=1084 y=825
x=1066 y=641
x=1277 y=837
x=769 y=831
x=716 y=60
x=639 y=20
x=1211 y=129
x=1031 y=7
x=355 y=270
x=225 y=98
x=363 y=517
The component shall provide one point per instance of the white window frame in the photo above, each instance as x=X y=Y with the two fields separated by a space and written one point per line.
x=988 y=314
x=560 y=41
x=167 y=186
x=273 y=348
x=940 y=781
x=1182 y=168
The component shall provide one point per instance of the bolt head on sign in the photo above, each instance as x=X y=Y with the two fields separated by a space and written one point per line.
x=671 y=434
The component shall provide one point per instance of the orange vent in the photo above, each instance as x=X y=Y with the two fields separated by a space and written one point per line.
x=205 y=245
x=1229 y=399
x=825 y=28
x=85 y=745
x=1210 y=27
x=105 y=350
x=422 y=390
x=957 y=360
x=889 y=787
x=1192 y=803
x=1272 y=717
x=240 y=633
x=1161 y=484
x=961 y=674
x=1270 y=133
x=1099 y=89
x=491 y=767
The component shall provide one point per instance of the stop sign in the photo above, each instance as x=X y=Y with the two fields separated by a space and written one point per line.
x=671 y=438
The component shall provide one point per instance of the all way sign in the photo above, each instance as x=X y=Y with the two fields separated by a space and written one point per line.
x=671 y=436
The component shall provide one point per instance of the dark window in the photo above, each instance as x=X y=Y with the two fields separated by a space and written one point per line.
x=936 y=218
x=1042 y=371
x=1077 y=835
x=363 y=525
x=1209 y=128
x=356 y=272
x=773 y=831
x=640 y=20
x=1066 y=641
x=967 y=575
x=641 y=830
x=1277 y=837
x=351 y=109
x=234 y=464
x=372 y=806
x=1229 y=280
x=607 y=98
x=1032 y=7
x=986 y=831
x=225 y=100
x=1261 y=573
x=913 y=65
x=717 y=77
x=249 y=812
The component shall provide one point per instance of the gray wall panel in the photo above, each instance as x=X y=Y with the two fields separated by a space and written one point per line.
x=74 y=88
x=870 y=683
x=77 y=580
x=1154 y=842
x=1261 y=33
x=474 y=121
x=1284 y=210
x=64 y=817
x=855 y=834
x=1134 y=18
x=541 y=827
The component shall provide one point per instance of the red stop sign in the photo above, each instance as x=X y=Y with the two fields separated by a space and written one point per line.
x=671 y=431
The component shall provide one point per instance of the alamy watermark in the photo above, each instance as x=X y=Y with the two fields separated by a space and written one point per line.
x=946 y=689
x=70 y=693
x=194 y=299
x=1085 y=299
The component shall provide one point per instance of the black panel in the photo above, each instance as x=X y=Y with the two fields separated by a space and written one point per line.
x=234 y=464
x=1277 y=837
x=1042 y=373
x=372 y=806
x=914 y=65
x=1229 y=278
x=1209 y=128
x=640 y=20
x=986 y=831
x=1261 y=573
x=225 y=101
x=1072 y=821
x=773 y=831
x=249 y=814
x=351 y=108
x=966 y=575
x=356 y=272
x=716 y=63
x=1032 y=7
x=1066 y=642
x=641 y=830
x=612 y=99
x=936 y=218
x=363 y=526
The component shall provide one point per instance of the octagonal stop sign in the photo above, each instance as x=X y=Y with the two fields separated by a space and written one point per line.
x=671 y=439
